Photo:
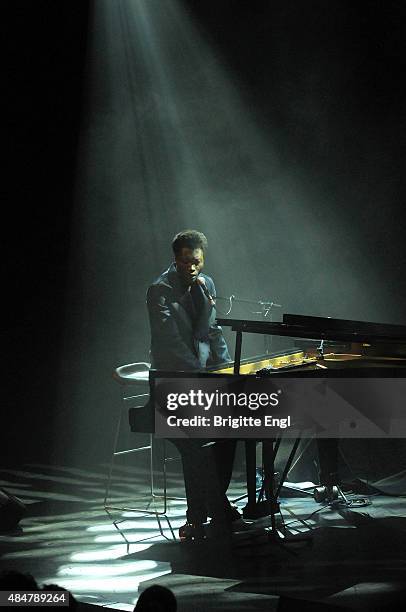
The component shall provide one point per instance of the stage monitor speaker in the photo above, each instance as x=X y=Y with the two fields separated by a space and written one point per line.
x=12 y=510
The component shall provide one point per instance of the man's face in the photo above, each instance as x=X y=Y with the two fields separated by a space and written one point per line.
x=189 y=263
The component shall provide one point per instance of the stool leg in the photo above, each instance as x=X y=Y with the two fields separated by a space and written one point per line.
x=151 y=466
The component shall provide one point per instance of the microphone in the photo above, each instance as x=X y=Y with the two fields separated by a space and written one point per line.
x=200 y=281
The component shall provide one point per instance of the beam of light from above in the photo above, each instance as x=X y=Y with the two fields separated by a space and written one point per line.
x=172 y=139
x=169 y=141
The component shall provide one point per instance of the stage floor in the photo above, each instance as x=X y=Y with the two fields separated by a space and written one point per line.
x=354 y=560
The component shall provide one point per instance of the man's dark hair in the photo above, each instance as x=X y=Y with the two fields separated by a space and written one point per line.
x=189 y=239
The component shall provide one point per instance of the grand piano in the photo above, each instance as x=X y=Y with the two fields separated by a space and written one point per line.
x=320 y=347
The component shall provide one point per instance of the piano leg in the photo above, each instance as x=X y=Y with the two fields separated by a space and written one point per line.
x=250 y=463
x=268 y=506
x=270 y=448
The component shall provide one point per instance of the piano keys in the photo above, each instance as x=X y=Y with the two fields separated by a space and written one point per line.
x=275 y=361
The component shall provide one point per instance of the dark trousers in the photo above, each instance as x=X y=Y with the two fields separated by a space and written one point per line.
x=207 y=469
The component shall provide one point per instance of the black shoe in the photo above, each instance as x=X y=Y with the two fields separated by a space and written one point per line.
x=191 y=531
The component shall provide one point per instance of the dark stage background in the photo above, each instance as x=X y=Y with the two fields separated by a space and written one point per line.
x=276 y=127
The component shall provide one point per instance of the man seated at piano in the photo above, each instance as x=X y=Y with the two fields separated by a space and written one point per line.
x=185 y=337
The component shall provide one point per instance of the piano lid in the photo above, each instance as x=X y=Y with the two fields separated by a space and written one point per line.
x=322 y=328
x=348 y=325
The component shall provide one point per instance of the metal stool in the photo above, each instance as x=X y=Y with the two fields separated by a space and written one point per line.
x=134 y=381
